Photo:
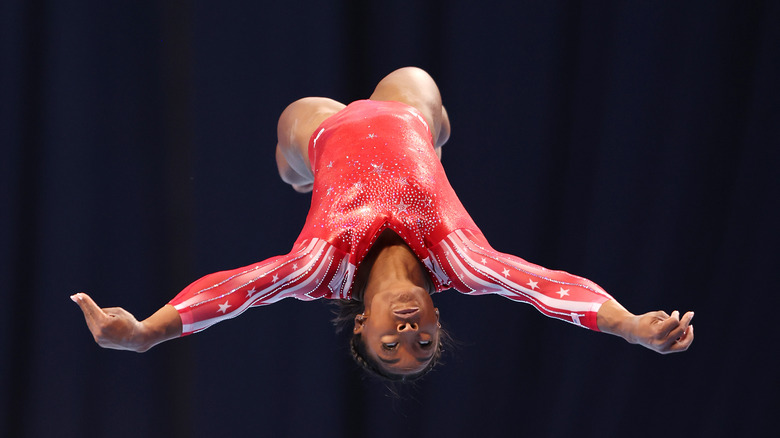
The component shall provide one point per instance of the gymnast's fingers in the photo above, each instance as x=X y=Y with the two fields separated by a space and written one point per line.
x=668 y=325
x=683 y=342
x=93 y=314
x=681 y=331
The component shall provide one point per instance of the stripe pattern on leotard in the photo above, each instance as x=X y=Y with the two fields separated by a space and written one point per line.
x=313 y=270
x=475 y=268
x=375 y=168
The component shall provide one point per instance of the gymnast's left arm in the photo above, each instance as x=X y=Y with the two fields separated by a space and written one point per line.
x=657 y=330
x=475 y=268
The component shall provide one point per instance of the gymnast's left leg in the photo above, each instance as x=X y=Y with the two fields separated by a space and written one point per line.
x=415 y=87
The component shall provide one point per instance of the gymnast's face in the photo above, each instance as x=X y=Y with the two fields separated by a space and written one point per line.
x=400 y=329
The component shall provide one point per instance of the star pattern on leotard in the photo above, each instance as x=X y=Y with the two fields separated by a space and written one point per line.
x=378 y=168
x=223 y=307
x=365 y=181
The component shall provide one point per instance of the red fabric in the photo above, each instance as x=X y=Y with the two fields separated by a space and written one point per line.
x=375 y=167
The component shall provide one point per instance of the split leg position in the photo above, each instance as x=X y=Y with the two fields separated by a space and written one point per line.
x=394 y=271
x=298 y=121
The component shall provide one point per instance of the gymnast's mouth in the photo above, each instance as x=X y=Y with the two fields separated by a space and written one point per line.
x=406 y=312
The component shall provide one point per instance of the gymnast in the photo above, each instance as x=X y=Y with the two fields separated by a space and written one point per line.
x=385 y=230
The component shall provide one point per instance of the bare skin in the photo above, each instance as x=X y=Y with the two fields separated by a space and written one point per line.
x=400 y=319
x=296 y=124
x=657 y=330
x=117 y=329
x=400 y=325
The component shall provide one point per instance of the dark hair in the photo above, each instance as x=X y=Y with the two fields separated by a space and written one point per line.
x=346 y=311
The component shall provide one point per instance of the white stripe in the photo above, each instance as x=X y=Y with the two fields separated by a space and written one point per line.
x=524 y=269
x=553 y=305
x=314 y=144
x=348 y=280
x=434 y=267
x=203 y=324
x=197 y=300
x=335 y=283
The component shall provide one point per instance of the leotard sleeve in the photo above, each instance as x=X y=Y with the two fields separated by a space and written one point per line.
x=475 y=268
x=312 y=270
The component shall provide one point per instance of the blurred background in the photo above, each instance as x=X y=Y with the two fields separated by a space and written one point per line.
x=633 y=143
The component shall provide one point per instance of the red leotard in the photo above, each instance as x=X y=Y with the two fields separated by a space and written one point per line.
x=375 y=167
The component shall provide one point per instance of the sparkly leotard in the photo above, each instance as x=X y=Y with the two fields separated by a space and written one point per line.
x=375 y=168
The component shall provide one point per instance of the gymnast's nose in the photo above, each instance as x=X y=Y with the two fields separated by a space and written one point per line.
x=407 y=326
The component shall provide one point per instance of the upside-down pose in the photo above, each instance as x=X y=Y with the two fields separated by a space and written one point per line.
x=384 y=231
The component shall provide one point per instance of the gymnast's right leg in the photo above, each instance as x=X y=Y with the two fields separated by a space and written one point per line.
x=296 y=125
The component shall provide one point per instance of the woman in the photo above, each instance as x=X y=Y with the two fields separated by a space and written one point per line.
x=384 y=231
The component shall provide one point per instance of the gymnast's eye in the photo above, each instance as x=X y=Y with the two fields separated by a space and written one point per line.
x=425 y=344
x=389 y=345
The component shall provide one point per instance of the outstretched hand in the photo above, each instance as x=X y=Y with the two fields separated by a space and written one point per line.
x=657 y=331
x=661 y=332
x=113 y=327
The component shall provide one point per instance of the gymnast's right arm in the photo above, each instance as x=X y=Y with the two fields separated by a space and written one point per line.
x=208 y=300
x=307 y=273
x=118 y=329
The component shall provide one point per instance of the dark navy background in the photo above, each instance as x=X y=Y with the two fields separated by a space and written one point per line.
x=634 y=143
